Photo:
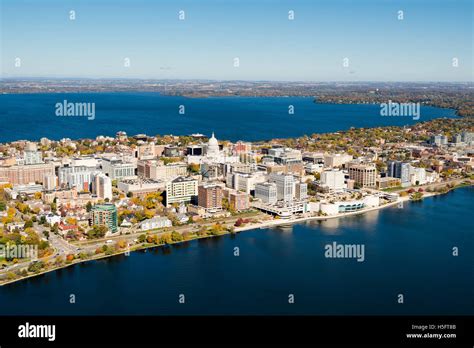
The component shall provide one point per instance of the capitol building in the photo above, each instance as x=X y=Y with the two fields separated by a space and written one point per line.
x=212 y=149
x=214 y=159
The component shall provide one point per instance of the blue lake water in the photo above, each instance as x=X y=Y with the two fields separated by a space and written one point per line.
x=407 y=251
x=32 y=116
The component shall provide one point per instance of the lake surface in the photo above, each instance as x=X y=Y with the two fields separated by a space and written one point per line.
x=32 y=116
x=407 y=251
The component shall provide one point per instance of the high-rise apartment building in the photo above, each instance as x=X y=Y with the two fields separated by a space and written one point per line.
x=181 y=190
x=210 y=197
x=105 y=215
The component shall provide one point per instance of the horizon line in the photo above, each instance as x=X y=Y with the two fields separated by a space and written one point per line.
x=227 y=80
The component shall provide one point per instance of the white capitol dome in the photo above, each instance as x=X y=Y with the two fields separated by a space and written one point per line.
x=213 y=141
x=213 y=146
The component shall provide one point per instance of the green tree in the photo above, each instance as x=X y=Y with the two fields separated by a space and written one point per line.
x=42 y=220
x=36 y=266
x=176 y=237
x=55 y=228
x=97 y=231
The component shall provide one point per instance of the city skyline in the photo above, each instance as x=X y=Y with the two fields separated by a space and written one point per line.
x=221 y=163
x=269 y=46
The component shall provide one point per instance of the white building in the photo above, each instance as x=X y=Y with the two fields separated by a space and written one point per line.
x=80 y=177
x=117 y=169
x=50 y=182
x=285 y=186
x=156 y=222
x=85 y=161
x=27 y=189
x=32 y=155
x=103 y=186
x=418 y=176
x=432 y=177
x=341 y=207
x=181 y=190
x=53 y=219
x=336 y=160
x=301 y=190
x=213 y=155
x=212 y=149
x=333 y=180
x=267 y=192
x=313 y=167
x=244 y=182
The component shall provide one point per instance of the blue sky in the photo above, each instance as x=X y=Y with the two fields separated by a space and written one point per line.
x=269 y=46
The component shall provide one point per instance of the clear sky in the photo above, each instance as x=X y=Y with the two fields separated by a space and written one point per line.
x=312 y=47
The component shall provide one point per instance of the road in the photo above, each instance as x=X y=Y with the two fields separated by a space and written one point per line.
x=135 y=232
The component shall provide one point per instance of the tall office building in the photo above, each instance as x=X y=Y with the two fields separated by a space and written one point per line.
x=467 y=137
x=438 y=140
x=244 y=181
x=32 y=155
x=364 y=175
x=50 y=182
x=301 y=190
x=400 y=170
x=285 y=186
x=103 y=186
x=267 y=192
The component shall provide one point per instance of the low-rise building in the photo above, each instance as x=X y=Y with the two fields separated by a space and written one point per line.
x=336 y=160
x=157 y=170
x=156 y=222
x=140 y=187
x=239 y=200
x=53 y=219
x=117 y=169
x=387 y=182
x=341 y=207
